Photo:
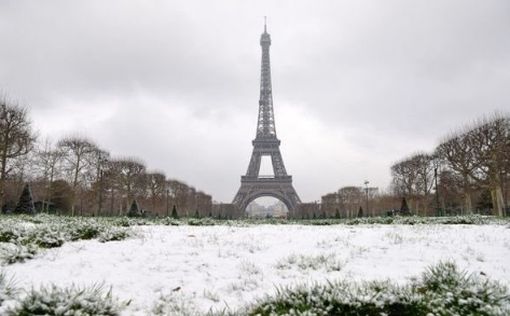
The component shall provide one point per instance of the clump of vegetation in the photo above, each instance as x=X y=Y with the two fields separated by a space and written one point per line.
x=12 y=253
x=174 y=303
x=21 y=239
x=44 y=236
x=171 y=221
x=73 y=300
x=441 y=290
x=113 y=234
x=201 y=222
x=121 y=221
x=83 y=230
x=9 y=233
x=302 y=262
x=446 y=289
x=7 y=288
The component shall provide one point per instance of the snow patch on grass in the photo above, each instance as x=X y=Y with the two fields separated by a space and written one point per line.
x=21 y=240
x=328 y=263
x=225 y=267
x=441 y=290
x=52 y=300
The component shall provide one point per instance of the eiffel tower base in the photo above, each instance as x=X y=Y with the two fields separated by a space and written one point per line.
x=279 y=187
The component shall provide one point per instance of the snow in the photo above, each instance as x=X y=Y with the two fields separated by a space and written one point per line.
x=217 y=267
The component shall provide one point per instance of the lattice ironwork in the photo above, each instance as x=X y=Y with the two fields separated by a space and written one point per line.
x=266 y=144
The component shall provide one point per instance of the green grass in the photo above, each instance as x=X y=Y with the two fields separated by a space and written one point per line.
x=30 y=234
x=90 y=227
x=328 y=263
x=441 y=290
x=52 y=300
x=22 y=237
x=114 y=234
x=7 y=288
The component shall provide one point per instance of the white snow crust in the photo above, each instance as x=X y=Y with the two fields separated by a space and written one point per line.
x=218 y=267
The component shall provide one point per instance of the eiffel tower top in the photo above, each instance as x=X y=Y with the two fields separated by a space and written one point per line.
x=265 y=125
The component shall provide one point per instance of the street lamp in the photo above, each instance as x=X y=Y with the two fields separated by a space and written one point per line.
x=167 y=205
x=366 y=190
x=438 y=209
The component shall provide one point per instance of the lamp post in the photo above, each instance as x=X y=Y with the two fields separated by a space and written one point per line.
x=366 y=190
x=167 y=196
x=438 y=209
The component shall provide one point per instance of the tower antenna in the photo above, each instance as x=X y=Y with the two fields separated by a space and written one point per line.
x=265 y=23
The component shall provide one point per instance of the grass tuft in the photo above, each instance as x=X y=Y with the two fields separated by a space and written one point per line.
x=7 y=288
x=73 y=300
x=11 y=253
x=114 y=234
x=441 y=290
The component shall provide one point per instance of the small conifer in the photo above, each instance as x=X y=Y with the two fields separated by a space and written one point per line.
x=134 y=210
x=26 y=203
x=174 y=212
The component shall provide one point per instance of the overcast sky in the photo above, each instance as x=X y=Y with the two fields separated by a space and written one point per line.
x=356 y=84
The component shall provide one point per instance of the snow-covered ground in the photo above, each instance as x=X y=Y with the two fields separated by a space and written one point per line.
x=229 y=266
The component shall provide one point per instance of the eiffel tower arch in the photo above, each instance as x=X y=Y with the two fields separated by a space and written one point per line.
x=253 y=185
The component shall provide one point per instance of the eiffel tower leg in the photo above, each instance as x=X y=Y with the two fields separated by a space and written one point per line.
x=254 y=166
x=278 y=167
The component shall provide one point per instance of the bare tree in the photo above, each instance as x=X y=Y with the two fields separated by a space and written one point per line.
x=98 y=160
x=156 y=184
x=351 y=197
x=191 y=201
x=425 y=172
x=77 y=152
x=413 y=179
x=451 y=190
x=458 y=154
x=204 y=203
x=424 y=164
x=47 y=160
x=16 y=139
x=179 y=193
x=111 y=182
x=129 y=179
x=331 y=203
x=490 y=146
x=405 y=178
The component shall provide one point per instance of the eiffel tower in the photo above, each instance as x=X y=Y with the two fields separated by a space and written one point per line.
x=266 y=143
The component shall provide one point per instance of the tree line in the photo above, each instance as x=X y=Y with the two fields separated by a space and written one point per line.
x=357 y=201
x=469 y=171
x=75 y=176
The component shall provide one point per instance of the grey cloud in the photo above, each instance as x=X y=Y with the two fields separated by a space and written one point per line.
x=371 y=81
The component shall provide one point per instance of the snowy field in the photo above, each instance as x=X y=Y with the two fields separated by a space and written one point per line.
x=217 y=267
